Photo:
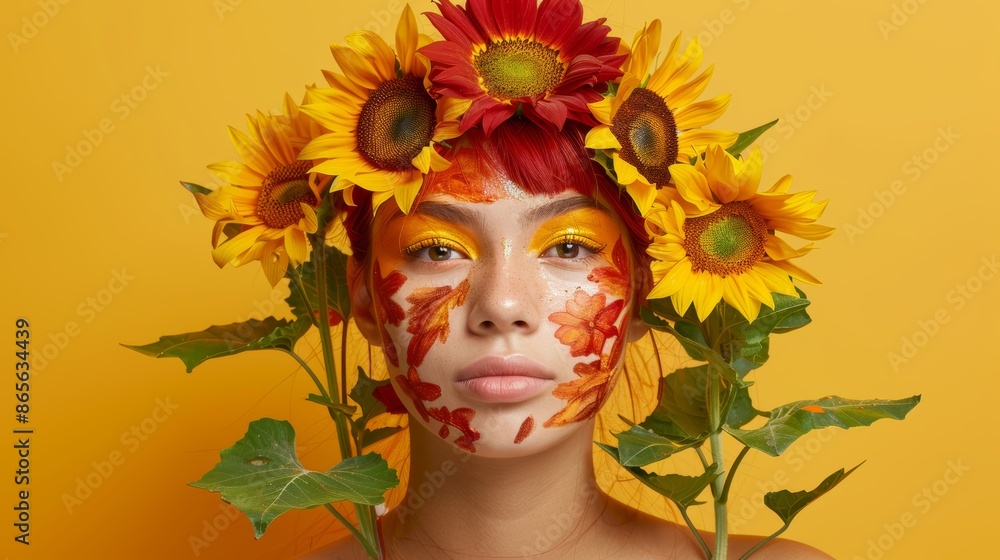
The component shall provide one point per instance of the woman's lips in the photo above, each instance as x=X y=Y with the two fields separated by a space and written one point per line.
x=503 y=379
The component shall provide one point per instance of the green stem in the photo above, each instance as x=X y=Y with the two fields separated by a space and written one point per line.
x=366 y=514
x=715 y=440
x=763 y=542
x=312 y=374
x=349 y=525
x=697 y=535
x=732 y=471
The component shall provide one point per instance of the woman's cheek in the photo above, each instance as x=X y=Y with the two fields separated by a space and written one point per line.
x=592 y=328
x=427 y=322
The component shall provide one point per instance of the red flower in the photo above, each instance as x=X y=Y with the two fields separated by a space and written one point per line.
x=387 y=395
x=506 y=54
x=587 y=323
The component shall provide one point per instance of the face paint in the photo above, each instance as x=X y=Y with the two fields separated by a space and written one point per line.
x=525 y=429
x=387 y=310
x=508 y=246
x=584 y=327
x=469 y=179
x=418 y=391
x=588 y=227
x=459 y=418
x=429 y=317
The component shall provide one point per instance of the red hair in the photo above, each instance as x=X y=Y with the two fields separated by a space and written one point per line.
x=539 y=161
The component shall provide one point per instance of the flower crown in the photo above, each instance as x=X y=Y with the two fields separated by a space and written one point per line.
x=380 y=123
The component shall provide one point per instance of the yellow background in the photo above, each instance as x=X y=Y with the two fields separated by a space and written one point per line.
x=866 y=99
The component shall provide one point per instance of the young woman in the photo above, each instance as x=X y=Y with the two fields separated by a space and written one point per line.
x=501 y=271
x=491 y=300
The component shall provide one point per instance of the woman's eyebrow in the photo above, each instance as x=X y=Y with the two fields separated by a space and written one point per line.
x=470 y=218
x=556 y=208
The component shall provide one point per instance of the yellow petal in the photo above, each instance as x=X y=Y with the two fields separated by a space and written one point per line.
x=378 y=53
x=296 y=246
x=406 y=191
x=626 y=172
x=422 y=160
x=672 y=281
x=749 y=176
x=275 y=263
x=236 y=173
x=236 y=246
x=309 y=223
x=643 y=195
x=697 y=115
x=406 y=39
x=355 y=67
x=601 y=138
x=693 y=186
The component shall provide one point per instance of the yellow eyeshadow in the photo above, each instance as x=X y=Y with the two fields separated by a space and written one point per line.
x=583 y=226
x=416 y=231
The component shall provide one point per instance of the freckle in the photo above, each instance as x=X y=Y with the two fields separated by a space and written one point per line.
x=525 y=429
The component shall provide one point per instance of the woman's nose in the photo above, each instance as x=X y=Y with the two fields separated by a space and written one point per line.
x=505 y=297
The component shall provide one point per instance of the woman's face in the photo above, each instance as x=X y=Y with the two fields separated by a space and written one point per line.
x=502 y=315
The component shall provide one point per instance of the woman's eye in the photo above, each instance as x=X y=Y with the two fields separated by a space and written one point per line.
x=567 y=250
x=436 y=253
x=571 y=250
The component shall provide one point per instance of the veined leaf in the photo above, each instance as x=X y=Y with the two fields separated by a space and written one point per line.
x=741 y=410
x=750 y=340
x=791 y=421
x=639 y=447
x=263 y=478
x=788 y=504
x=695 y=348
x=363 y=393
x=225 y=340
x=337 y=297
x=682 y=490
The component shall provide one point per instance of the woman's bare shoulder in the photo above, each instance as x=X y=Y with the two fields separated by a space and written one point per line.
x=673 y=534
x=347 y=548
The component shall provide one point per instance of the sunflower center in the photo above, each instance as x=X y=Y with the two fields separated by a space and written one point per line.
x=396 y=123
x=517 y=68
x=646 y=129
x=283 y=189
x=727 y=241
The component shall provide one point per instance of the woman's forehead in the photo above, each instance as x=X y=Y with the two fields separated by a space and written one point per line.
x=472 y=179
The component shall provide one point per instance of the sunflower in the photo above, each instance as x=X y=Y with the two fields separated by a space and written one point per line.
x=270 y=199
x=383 y=125
x=506 y=55
x=652 y=121
x=713 y=238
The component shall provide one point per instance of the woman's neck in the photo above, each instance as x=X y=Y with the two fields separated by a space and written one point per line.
x=460 y=505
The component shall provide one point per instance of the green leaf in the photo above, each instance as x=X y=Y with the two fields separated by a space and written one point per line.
x=745 y=139
x=695 y=348
x=788 y=504
x=338 y=299
x=263 y=478
x=196 y=189
x=639 y=447
x=791 y=421
x=748 y=338
x=682 y=490
x=225 y=340
x=684 y=401
x=370 y=437
x=363 y=393
x=741 y=410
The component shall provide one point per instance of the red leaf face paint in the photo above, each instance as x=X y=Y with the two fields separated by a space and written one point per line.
x=429 y=318
x=387 y=310
x=525 y=429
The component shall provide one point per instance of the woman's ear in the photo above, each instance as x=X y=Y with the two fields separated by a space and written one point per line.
x=361 y=302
